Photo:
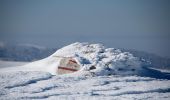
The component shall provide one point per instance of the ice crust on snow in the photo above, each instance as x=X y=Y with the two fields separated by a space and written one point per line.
x=107 y=61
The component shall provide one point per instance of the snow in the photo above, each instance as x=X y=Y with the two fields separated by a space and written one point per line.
x=117 y=77
x=42 y=85
x=4 y=64
x=108 y=61
x=161 y=70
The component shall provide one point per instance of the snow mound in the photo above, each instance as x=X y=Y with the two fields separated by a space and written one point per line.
x=106 y=60
x=93 y=59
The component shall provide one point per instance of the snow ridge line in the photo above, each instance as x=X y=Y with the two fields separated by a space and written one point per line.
x=29 y=82
x=126 y=80
x=141 y=92
x=44 y=96
x=96 y=94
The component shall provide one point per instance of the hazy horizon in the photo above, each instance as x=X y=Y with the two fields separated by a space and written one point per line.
x=140 y=25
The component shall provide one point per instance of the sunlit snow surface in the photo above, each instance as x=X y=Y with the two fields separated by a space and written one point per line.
x=41 y=85
x=113 y=78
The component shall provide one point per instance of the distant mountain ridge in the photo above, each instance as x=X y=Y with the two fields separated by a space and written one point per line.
x=24 y=52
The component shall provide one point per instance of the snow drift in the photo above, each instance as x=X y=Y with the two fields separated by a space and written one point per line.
x=91 y=59
x=105 y=61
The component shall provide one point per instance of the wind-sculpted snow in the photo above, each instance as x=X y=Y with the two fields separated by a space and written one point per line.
x=24 y=78
x=106 y=61
x=116 y=75
x=41 y=85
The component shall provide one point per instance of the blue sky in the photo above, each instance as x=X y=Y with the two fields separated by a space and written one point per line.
x=134 y=24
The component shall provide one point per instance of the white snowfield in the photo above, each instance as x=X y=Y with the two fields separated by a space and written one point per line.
x=118 y=76
x=41 y=85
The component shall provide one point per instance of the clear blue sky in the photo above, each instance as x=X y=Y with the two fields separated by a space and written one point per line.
x=134 y=24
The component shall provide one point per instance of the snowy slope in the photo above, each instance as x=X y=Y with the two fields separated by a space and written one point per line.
x=118 y=75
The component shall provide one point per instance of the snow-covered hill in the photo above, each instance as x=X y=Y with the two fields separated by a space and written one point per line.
x=30 y=52
x=116 y=75
x=107 y=61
